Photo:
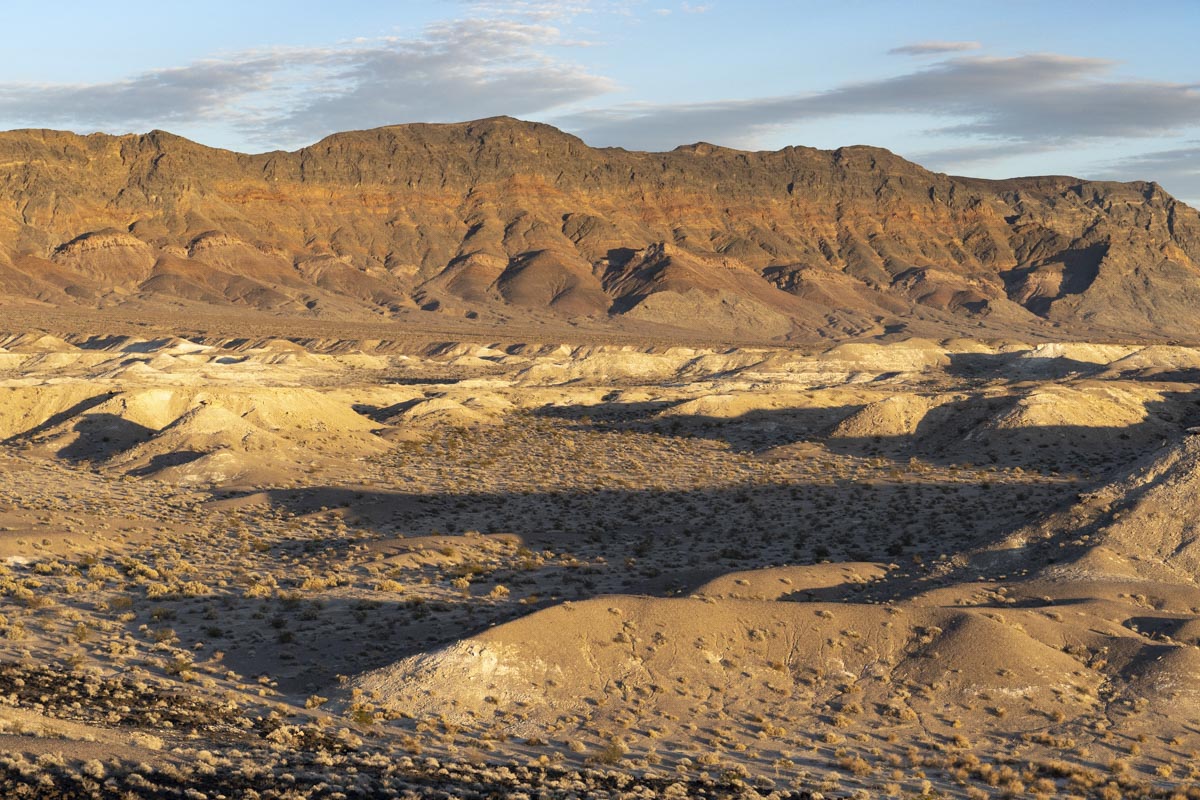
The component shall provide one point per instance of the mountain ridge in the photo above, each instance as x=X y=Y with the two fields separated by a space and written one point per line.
x=500 y=219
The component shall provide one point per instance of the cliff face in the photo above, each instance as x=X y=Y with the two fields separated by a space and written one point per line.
x=504 y=219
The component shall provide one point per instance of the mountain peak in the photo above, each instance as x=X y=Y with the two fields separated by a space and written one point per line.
x=501 y=218
x=703 y=149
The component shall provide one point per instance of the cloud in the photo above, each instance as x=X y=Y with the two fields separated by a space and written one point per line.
x=460 y=69
x=1039 y=98
x=948 y=159
x=933 y=48
x=533 y=10
x=464 y=69
x=196 y=92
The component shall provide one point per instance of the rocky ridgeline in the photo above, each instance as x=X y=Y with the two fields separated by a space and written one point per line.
x=500 y=220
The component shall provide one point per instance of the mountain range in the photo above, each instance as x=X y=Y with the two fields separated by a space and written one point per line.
x=502 y=220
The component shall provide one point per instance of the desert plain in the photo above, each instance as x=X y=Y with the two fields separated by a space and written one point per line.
x=280 y=567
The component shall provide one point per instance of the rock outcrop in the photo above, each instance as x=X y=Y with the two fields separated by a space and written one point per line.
x=503 y=219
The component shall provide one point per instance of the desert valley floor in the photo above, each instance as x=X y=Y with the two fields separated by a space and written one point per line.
x=284 y=567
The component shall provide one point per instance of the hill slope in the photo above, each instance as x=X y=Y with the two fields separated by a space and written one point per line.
x=504 y=219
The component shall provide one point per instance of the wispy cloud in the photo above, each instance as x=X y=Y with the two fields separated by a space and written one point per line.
x=1039 y=98
x=971 y=156
x=535 y=10
x=199 y=91
x=460 y=69
x=933 y=48
x=685 y=8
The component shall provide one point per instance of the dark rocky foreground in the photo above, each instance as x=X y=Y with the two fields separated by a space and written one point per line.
x=234 y=751
x=400 y=779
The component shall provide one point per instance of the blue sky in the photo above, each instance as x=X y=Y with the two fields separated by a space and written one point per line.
x=1096 y=89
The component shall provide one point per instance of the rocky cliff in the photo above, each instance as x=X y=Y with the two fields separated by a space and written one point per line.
x=503 y=219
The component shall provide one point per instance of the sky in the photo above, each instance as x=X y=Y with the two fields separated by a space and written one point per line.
x=1096 y=89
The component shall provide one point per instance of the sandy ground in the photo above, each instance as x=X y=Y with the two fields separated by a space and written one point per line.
x=476 y=569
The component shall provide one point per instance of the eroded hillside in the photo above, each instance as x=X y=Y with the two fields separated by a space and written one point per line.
x=505 y=220
x=235 y=565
